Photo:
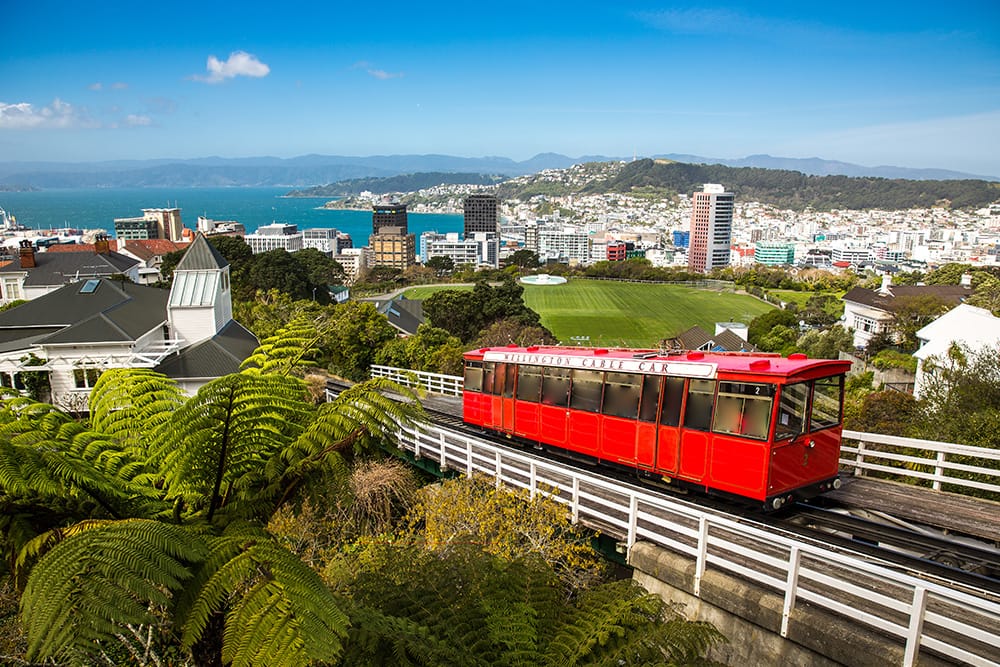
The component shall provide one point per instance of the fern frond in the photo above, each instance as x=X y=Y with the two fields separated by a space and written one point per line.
x=88 y=587
x=289 y=349
x=285 y=614
x=128 y=403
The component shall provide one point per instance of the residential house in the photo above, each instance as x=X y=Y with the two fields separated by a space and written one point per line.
x=33 y=273
x=81 y=329
x=872 y=312
x=973 y=328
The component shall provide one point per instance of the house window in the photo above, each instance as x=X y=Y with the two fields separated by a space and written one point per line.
x=12 y=289
x=85 y=378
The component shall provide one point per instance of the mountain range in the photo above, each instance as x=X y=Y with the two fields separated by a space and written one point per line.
x=312 y=170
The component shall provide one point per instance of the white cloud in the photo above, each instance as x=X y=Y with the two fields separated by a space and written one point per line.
x=380 y=74
x=59 y=114
x=137 y=120
x=95 y=86
x=239 y=63
x=119 y=85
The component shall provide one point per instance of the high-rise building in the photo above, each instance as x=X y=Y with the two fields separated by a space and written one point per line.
x=393 y=247
x=277 y=235
x=389 y=215
x=711 y=228
x=482 y=214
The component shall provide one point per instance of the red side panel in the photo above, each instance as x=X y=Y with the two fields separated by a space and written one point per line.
x=526 y=420
x=475 y=408
x=694 y=454
x=668 y=450
x=645 y=445
x=618 y=440
x=584 y=431
x=553 y=423
x=739 y=466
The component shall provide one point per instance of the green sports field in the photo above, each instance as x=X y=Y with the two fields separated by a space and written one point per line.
x=632 y=315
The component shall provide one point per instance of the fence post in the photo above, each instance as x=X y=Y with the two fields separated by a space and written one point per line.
x=633 y=519
x=859 y=459
x=532 y=479
x=791 y=584
x=939 y=470
x=916 y=628
x=699 y=568
x=499 y=469
x=576 y=499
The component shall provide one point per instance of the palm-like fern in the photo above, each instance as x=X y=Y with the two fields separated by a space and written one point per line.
x=88 y=587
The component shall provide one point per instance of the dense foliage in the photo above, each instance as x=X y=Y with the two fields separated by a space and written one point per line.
x=465 y=314
x=797 y=191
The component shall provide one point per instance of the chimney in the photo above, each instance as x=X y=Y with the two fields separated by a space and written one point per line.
x=886 y=282
x=27 y=254
x=101 y=245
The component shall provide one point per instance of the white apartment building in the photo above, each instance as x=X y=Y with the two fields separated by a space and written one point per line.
x=483 y=249
x=277 y=235
x=355 y=262
x=558 y=242
x=322 y=239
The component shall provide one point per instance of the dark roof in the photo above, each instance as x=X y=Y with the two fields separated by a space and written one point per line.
x=220 y=355
x=115 y=311
x=57 y=268
x=697 y=338
x=950 y=294
x=201 y=256
x=404 y=314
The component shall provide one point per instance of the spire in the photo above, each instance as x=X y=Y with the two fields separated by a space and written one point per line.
x=201 y=256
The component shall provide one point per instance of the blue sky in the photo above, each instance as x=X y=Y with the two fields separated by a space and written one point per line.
x=907 y=84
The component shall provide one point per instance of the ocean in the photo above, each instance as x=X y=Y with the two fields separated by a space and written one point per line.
x=97 y=209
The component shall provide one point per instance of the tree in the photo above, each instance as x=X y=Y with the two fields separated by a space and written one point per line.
x=762 y=324
x=524 y=258
x=358 y=331
x=510 y=331
x=912 y=313
x=152 y=515
x=826 y=344
x=960 y=399
x=274 y=269
x=322 y=271
x=442 y=264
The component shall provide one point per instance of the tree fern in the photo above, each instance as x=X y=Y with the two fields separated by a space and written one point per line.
x=128 y=404
x=90 y=586
x=288 y=350
x=216 y=446
x=284 y=614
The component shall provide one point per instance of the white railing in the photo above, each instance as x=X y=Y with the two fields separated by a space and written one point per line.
x=927 y=460
x=933 y=462
x=437 y=383
x=919 y=613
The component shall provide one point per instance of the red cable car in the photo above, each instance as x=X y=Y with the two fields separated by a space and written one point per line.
x=757 y=426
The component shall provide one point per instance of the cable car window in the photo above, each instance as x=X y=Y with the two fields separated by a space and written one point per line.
x=473 y=376
x=743 y=408
x=498 y=379
x=586 y=391
x=672 y=400
x=621 y=395
x=488 y=369
x=650 y=397
x=555 y=387
x=792 y=410
x=508 y=383
x=701 y=396
x=529 y=383
x=828 y=396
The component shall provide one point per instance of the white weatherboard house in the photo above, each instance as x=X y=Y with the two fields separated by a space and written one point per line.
x=974 y=328
x=83 y=328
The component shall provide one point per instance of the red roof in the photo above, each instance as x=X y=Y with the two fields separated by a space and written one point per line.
x=80 y=247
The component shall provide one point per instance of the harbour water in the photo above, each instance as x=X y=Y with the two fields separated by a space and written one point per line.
x=97 y=209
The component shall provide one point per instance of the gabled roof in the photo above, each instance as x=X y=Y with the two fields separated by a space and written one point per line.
x=404 y=314
x=220 y=355
x=146 y=249
x=697 y=338
x=80 y=247
x=114 y=311
x=973 y=327
x=886 y=301
x=57 y=268
x=201 y=256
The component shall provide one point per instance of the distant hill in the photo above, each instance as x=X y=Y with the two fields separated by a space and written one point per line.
x=401 y=183
x=796 y=191
x=312 y=170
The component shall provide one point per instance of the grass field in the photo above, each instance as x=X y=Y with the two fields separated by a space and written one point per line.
x=628 y=314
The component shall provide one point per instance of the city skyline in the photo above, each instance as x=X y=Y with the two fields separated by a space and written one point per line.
x=893 y=84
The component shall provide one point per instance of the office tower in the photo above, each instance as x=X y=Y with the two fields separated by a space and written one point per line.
x=482 y=214
x=711 y=228
x=389 y=215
